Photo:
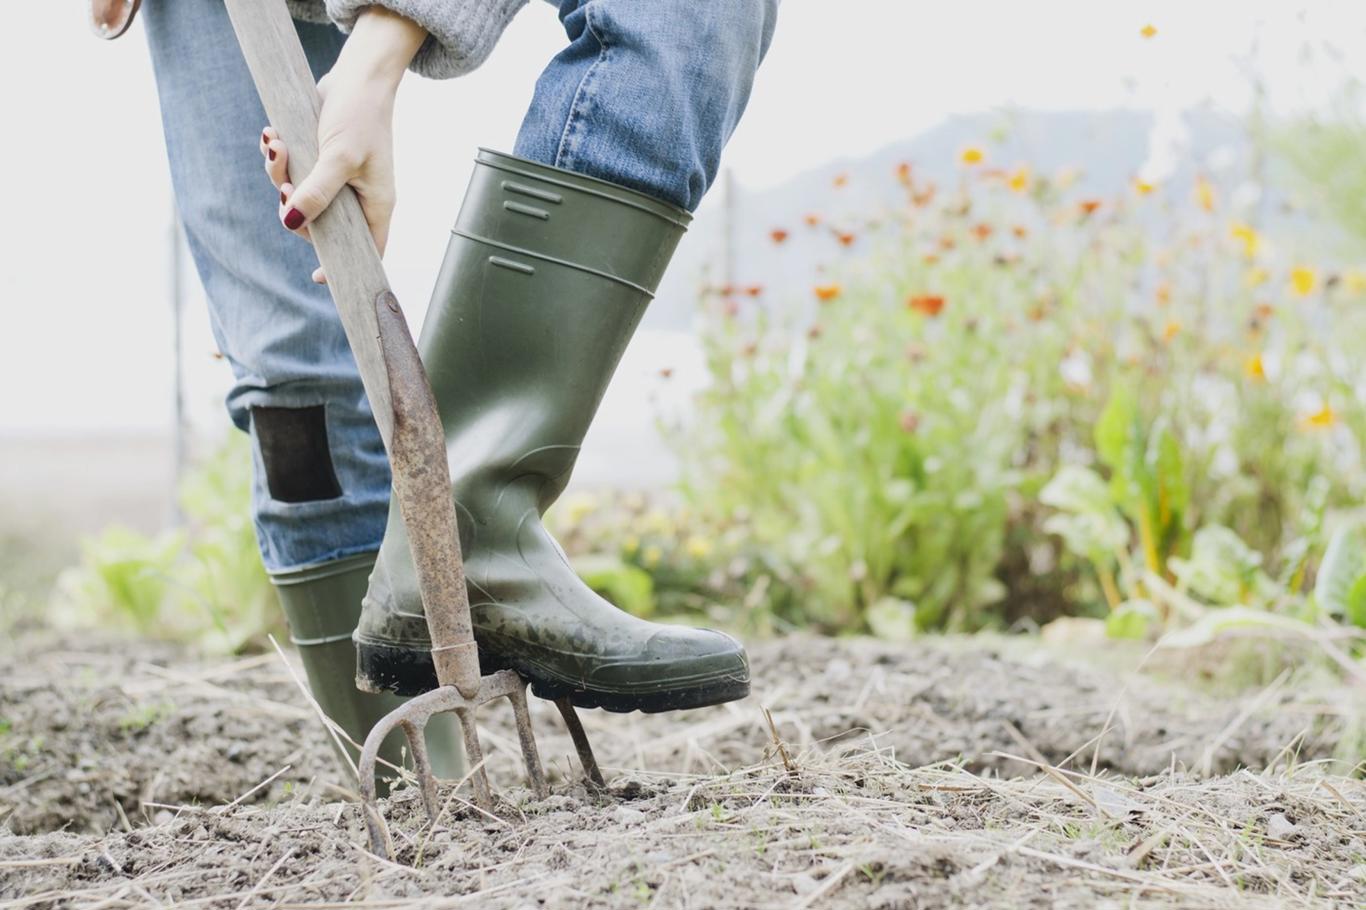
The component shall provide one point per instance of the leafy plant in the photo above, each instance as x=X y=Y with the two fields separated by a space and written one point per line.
x=203 y=583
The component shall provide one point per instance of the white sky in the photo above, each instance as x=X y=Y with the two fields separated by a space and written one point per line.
x=83 y=249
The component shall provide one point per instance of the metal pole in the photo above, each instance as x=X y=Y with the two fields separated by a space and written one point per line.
x=177 y=300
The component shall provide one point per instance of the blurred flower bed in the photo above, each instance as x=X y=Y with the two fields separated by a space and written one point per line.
x=1009 y=402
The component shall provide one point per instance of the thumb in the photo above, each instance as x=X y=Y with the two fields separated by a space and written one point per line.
x=316 y=191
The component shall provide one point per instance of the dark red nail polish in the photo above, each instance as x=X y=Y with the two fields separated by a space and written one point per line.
x=294 y=219
x=265 y=140
x=272 y=154
x=283 y=200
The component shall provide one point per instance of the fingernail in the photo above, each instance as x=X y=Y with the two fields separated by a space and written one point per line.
x=265 y=140
x=294 y=219
x=283 y=200
x=272 y=154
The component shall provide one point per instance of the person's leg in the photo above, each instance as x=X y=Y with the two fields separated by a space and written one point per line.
x=646 y=94
x=322 y=480
x=553 y=259
x=321 y=486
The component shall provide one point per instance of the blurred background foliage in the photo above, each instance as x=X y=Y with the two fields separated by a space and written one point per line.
x=1008 y=403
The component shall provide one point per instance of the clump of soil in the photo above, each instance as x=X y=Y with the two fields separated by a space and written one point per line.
x=938 y=774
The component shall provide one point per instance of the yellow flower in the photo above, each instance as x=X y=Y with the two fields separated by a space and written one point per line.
x=1148 y=31
x=1204 y=194
x=1321 y=419
x=1144 y=188
x=1171 y=330
x=1066 y=177
x=1354 y=281
x=697 y=547
x=651 y=556
x=630 y=544
x=1255 y=277
x=657 y=521
x=1248 y=236
x=1018 y=181
x=972 y=155
x=1253 y=367
x=1303 y=280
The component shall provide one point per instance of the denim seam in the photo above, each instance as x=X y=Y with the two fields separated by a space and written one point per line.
x=564 y=152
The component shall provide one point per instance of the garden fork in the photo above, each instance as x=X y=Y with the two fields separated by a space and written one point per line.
x=405 y=412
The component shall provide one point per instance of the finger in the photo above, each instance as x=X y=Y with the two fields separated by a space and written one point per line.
x=286 y=192
x=277 y=162
x=319 y=277
x=379 y=212
x=316 y=191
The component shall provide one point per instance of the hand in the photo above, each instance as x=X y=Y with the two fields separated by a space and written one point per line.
x=355 y=129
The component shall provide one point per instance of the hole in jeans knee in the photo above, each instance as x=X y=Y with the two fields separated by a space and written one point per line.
x=294 y=450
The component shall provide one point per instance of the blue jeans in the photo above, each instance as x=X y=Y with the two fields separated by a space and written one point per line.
x=645 y=95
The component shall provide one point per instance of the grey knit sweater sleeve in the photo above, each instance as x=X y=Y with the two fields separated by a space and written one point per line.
x=462 y=33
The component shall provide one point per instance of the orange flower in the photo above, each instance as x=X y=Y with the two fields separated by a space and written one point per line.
x=827 y=292
x=812 y=219
x=1264 y=311
x=846 y=238
x=840 y=180
x=982 y=231
x=1321 y=419
x=1171 y=330
x=930 y=258
x=947 y=243
x=754 y=290
x=1254 y=368
x=1089 y=207
x=903 y=172
x=1020 y=231
x=1148 y=31
x=924 y=197
x=1164 y=294
x=777 y=235
x=666 y=372
x=926 y=304
x=972 y=156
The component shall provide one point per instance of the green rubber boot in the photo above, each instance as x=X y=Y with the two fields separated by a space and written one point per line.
x=546 y=277
x=322 y=605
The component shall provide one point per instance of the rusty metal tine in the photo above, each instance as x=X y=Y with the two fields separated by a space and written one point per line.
x=474 y=754
x=381 y=844
x=534 y=771
x=581 y=744
x=417 y=742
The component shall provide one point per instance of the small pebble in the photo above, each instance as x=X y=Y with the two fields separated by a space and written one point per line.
x=627 y=816
x=1278 y=827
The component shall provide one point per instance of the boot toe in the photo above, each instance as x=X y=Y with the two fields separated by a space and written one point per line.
x=677 y=668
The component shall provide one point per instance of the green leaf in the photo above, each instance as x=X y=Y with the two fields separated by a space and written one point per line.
x=1344 y=566
x=1091 y=526
x=1131 y=620
x=1216 y=622
x=1356 y=603
x=1222 y=569
x=892 y=619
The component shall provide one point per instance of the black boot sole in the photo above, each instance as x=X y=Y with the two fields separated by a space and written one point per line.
x=408 y=672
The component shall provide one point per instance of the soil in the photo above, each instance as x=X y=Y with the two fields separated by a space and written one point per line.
x=944 y=773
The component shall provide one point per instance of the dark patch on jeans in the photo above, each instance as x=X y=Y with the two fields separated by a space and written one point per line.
x=295 y=452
